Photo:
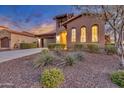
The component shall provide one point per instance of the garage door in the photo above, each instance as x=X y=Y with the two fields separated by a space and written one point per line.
x=5 y=42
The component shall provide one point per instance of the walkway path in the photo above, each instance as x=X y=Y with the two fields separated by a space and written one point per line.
x=9 y=55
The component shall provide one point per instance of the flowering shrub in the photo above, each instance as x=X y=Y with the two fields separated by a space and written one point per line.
x=52 y=78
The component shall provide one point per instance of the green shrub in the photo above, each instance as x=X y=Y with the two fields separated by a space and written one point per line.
x=44 y=60
x=52 y=78
x=51 y=46
x=55 y=46
x=24 y=45
x=79 y=56
x=58 y=53
x=78 y=46
x=94 y=48
x=28 y=45
x=110 y=49
x=69 y=59
x=118 y=78
x=33 y=45
x=44 y=51
x=59 y=46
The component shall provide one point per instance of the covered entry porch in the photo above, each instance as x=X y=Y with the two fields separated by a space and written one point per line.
x=45 y=39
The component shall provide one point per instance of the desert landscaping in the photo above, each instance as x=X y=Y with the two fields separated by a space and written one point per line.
x=94 y=70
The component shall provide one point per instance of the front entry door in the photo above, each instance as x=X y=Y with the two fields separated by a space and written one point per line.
x=5 y=42
x=63 y=38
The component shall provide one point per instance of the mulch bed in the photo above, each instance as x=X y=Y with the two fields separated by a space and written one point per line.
x=94 y=71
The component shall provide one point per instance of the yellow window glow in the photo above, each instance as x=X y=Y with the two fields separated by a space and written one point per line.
x=73 y=35
x=58 y=39
x=63 y=37
x=95 y=33
x=83 y=34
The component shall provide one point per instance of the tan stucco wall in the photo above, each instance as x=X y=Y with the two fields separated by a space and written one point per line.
x=88 y=22
x=16 y=38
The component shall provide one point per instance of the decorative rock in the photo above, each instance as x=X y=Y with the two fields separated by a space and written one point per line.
x=7 y=85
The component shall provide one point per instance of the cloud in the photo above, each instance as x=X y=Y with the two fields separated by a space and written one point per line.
x=44 y=28
x=6 y=21
x=41 y=28
x=21 y=23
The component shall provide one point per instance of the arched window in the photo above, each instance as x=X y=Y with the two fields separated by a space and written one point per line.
x=73 y=35
x=83 y=34
x=95 y=33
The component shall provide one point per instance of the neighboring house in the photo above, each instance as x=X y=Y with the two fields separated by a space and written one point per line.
x=83 y=28
x=10 y=39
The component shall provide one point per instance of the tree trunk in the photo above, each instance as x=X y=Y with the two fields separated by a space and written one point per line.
x=120 y=53
x=115 y=37
x=122 y=61
x=122 y=50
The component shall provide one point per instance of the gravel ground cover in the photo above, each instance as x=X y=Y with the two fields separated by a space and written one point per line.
x=93 y=71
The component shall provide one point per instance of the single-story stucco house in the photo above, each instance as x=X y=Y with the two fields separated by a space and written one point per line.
x=82 y=28
x=9 y=38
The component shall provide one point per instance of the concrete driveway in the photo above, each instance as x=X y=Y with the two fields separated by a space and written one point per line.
x=14 y=54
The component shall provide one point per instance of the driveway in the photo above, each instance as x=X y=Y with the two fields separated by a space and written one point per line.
x=10 y=55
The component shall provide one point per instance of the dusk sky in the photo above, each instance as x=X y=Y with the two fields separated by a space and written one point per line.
x=29 y=17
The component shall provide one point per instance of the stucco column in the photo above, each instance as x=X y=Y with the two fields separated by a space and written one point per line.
x=88 y=34
x=101 y=36
x=39 y=42
x=78 y=34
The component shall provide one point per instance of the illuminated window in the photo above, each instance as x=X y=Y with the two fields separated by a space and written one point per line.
x=83 y=34
x=58 y=39
x=95 y=33
x=73 y=35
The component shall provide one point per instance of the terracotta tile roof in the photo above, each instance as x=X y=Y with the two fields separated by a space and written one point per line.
x=71 y=19
x=77 y=16
x=16 y=32
x=3 y=27
x=63 y=15
x=22 y=33
x=48 y=34
x=28 y=33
